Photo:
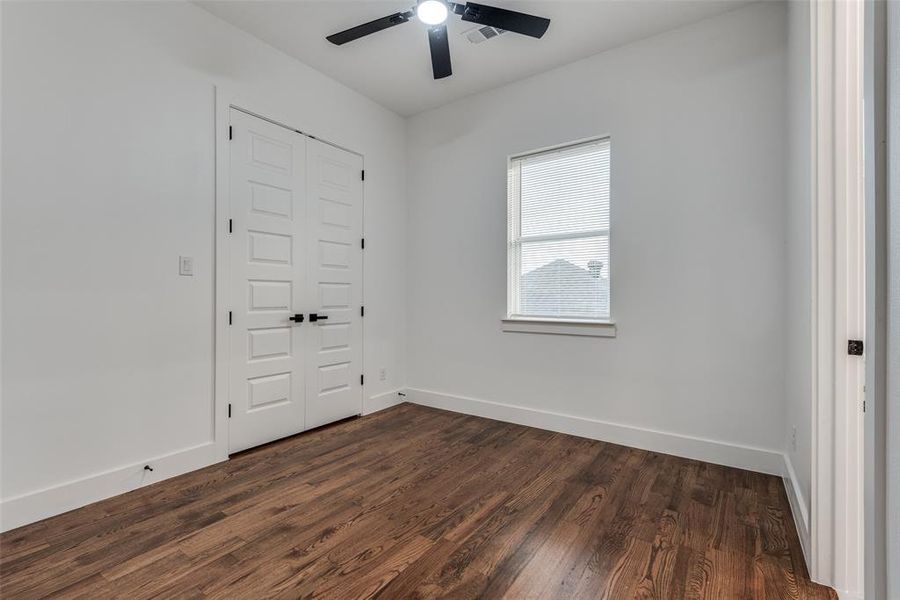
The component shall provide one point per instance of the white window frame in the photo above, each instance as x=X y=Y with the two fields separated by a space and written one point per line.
x=551 y=325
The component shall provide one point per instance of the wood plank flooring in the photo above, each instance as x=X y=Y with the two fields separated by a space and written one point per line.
x=414 y=502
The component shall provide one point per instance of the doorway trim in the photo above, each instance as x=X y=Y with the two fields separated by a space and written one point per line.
x=839 y=300
x=224 y=102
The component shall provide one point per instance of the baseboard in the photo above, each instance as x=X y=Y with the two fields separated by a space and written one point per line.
x=48 y=502
x=382 y=401
x=798 y=508
x=722 y=453
x=34 y=506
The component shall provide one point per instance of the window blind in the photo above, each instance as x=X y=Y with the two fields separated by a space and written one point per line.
x=558 y=211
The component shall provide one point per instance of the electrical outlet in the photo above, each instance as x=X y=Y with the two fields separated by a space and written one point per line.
x=794 y=438
x=382 y=374
x=186 y=265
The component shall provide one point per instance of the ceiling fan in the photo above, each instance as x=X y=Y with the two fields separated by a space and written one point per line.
x=434 y=13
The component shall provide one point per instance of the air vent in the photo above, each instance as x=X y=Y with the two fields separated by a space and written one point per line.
x=481 y=34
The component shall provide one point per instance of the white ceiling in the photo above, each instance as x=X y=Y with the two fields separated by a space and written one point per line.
x=393 y=67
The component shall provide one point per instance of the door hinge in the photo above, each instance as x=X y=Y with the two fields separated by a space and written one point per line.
x=230 y=226
x=362 y=311
x=864 y=406
x=229 y=410
x=362 y=379
x=229 y=317
x=362 y=175
x=230 y=133
x=855 y=347
x=362 y=243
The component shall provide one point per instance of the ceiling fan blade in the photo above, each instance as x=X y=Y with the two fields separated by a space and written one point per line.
x=509 y=20
x=354 y=33
x=440 y=51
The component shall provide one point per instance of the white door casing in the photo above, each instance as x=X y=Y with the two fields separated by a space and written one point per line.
x=268 y=248
x=839 y=181
x=334 y=235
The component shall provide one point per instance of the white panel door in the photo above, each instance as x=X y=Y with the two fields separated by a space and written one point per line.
x=269 y=247
x=334 y=367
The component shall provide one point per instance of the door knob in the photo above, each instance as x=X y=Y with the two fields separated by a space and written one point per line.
x=313 y=317
x=298 y=318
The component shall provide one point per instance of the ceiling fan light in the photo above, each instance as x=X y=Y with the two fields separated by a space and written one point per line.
x=431 y=12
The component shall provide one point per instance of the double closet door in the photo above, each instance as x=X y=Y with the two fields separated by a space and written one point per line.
x=295 y=337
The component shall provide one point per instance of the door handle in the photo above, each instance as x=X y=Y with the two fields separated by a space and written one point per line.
x=298 y=318
x=313 y=317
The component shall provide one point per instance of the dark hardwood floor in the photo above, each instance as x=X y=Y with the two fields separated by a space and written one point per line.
x=417 y=503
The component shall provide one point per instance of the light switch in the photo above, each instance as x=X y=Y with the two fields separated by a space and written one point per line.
x=186 y=265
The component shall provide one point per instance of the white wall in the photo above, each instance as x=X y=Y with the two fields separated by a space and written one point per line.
x=697 y=122
x=108 y=164
x=798 y=240
x=107 y=353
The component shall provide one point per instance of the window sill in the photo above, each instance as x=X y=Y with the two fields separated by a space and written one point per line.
x=559 y=327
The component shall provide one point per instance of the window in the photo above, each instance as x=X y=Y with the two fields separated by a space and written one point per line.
x=559 y=234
